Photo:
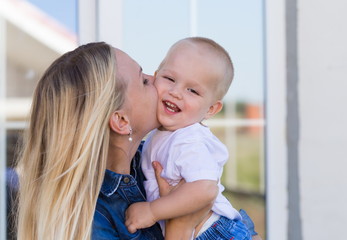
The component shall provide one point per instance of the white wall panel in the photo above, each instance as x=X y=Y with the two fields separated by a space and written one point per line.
x=323 y=145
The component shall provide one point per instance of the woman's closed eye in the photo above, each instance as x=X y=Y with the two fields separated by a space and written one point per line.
x=170 y=79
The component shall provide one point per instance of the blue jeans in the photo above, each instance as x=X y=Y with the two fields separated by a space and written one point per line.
x=225 y=228
x=248 y=222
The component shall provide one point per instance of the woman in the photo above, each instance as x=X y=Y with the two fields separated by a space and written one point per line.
x=90 y=111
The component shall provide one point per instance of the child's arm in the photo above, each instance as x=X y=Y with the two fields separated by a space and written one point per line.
x=186 y=199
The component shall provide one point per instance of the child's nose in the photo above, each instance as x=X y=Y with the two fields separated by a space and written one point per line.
x=175 y=93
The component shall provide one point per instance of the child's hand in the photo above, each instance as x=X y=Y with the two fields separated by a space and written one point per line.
x=139 y=215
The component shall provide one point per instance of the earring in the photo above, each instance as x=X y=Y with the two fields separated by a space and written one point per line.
x=130 y=132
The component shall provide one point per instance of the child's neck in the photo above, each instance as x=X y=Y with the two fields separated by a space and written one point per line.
x=162 y=128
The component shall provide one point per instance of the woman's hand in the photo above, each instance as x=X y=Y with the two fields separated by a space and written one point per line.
x=187 y=226
x=164 y=187
x=139 y=215
x=180 y=228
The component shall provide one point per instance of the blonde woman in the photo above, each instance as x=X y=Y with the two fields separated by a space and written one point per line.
x=78 y=167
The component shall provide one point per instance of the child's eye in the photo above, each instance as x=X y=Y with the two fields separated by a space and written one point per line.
x=193 y=91
x=145 y=81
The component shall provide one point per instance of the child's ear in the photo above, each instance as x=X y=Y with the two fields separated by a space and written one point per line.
x=119 y=123
x=214 y=109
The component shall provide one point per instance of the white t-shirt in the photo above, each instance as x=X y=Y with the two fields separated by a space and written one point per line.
x=192 y=153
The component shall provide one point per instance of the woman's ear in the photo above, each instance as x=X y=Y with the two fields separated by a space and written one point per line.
x=119 y=123
x=214 y=109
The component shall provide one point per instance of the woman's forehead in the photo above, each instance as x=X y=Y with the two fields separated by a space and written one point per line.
x=126 y=66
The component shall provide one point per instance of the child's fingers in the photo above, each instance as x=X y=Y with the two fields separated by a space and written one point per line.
x=131 y=228
x=128 y=223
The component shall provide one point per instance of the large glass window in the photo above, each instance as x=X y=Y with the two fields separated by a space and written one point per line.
x=34 y=33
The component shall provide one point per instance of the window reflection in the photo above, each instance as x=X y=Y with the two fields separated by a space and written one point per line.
x=12 y=139
x=31 y=39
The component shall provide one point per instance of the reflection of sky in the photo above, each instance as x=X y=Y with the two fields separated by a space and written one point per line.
x=152 y=26
x=63 y=10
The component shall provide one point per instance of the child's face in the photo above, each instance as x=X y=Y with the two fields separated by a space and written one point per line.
x=186 y=83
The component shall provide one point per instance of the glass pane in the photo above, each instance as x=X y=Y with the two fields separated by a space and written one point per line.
x=250 y=157
x=62 y=11
x=149 y=30
x=243 y=175
x=238 y=27
x=12 y=140
x=151 y=27
x=32 y=36
x=34 y=39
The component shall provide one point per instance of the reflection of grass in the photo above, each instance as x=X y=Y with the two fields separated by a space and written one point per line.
x=248 y=160
x=254 y=205
x=247 y=149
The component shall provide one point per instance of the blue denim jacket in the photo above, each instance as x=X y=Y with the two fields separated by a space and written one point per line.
x=117 y=193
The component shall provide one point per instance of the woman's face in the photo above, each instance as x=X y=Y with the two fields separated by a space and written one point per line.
x=141 y=96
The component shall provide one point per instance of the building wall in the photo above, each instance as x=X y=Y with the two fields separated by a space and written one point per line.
x=322 y=85
x=306 y=116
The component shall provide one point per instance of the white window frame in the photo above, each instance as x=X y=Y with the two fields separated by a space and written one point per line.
x=276 y=113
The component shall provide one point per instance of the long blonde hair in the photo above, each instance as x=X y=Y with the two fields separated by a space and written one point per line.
x=63 y=159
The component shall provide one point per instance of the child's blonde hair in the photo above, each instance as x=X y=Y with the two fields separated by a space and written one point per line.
x=220 y=53
x=63 y=160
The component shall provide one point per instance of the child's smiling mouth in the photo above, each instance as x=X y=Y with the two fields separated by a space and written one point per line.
x=171 y=107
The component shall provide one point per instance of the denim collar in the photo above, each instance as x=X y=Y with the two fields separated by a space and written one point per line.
x=113 y=180
x=111 y=183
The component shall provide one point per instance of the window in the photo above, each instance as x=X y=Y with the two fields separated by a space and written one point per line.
x=30 y=40
x=145 y=30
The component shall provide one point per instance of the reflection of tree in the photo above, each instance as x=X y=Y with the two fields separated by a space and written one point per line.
x=240 y=108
